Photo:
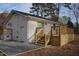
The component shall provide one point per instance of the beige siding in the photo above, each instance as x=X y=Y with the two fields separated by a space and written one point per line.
x=23 y=28
x=31 y=30
x=19 y=27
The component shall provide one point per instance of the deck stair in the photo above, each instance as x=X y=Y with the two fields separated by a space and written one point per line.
x=39 y=36
x=41 y=41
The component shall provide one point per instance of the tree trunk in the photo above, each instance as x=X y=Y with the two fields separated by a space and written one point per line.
x=58 y=9
x=77 y=27
x=37 y=13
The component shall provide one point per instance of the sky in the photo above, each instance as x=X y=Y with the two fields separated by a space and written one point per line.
x=25 y=7
x=66 y=12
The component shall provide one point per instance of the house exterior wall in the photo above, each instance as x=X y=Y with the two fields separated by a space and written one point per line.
x=66 y=35
x=1 y=31
x=7 y=34
x=31 y=30
x=22 y=27
x=19 y=27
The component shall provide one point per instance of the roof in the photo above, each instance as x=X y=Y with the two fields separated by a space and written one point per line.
x=15 y=11
x=3 y=17
x=26 y=14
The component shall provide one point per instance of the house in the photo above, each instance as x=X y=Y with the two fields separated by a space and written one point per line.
x=3 y=17
x=21 y=26
x=27 y=28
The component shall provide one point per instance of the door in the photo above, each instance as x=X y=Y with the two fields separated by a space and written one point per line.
x=55 y=37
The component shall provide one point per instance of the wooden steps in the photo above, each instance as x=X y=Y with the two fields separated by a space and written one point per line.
x=55 y=40
x=42 y=41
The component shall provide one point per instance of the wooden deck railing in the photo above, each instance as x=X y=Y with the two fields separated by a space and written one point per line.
x=39 y=35
x=47 y=38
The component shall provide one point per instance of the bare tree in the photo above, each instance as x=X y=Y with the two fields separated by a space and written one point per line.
x=74 y=7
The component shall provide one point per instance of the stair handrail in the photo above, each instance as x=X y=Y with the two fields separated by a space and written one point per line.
x=39 y=35
x=39 y=31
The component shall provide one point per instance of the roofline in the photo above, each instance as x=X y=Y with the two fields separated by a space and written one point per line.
x=19 y=12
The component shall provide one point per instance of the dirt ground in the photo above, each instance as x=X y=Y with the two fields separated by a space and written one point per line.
x=70 y=49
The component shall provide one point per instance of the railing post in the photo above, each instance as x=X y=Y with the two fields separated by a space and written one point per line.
x=47 y=38
x=38 y=35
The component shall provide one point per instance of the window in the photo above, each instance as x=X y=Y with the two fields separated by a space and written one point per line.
x=21 y=27
x=7 y=36
x=17 y=37
x=10 y=24
x=55 y=31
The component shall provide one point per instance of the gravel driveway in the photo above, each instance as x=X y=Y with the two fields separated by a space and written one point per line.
x=12 y=47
